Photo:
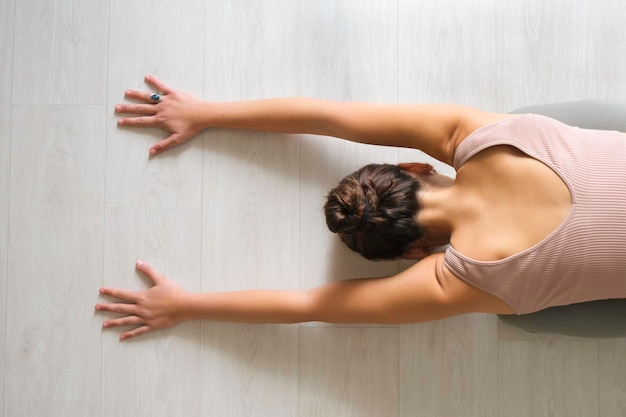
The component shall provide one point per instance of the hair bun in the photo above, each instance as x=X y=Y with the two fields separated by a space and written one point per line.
x=349 y=206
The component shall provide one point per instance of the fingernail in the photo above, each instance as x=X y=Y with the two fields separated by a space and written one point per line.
x=97 y=307
x=127 y=92
x=153 y=152
x=118 y=108
x=105 y=324
x=139 y=263
x=120 y=121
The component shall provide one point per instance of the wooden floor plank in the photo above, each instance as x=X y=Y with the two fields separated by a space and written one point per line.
x=53 y=348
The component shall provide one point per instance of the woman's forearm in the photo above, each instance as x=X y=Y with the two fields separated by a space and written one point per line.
x=279 y=115
x=258 y=306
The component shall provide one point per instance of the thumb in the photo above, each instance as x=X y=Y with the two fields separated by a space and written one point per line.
x=147 y=269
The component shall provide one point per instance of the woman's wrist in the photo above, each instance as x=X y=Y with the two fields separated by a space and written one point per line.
x=206 y=116
x=187 y=307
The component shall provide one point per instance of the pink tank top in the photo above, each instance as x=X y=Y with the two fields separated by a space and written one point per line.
x=584 y=258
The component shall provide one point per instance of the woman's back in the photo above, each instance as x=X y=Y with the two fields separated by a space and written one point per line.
x=516 y=201
x=545 y=218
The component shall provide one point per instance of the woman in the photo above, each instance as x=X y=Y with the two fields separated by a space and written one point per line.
x=535 y=217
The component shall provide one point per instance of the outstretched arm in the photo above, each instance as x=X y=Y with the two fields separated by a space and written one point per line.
x=421 y=293
x=433 y=128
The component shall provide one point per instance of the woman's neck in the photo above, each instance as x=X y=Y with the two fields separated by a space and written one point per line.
x=438 y=214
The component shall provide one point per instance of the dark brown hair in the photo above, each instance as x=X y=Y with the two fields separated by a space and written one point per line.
x=373 y=210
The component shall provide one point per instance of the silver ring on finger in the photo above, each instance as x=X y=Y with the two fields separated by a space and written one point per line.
x=156 y=98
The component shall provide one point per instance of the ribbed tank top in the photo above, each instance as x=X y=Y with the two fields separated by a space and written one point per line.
x=584 y=258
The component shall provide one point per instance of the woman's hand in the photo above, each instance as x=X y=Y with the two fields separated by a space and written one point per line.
x=159 y=307
x=178 y=112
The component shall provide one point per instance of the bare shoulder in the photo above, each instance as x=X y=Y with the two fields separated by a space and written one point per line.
x=465 y=296
x=424 y=292
x=471 y=120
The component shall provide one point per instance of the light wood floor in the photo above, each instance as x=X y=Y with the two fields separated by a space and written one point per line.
x=80 y=201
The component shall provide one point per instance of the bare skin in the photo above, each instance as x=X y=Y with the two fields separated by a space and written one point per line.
x=501 y=203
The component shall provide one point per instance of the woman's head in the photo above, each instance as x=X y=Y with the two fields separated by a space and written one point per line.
x=374 y=209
